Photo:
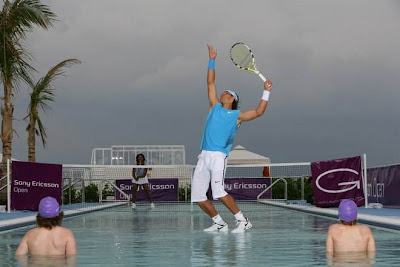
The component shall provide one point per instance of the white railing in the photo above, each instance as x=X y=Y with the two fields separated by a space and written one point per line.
x=126 y=155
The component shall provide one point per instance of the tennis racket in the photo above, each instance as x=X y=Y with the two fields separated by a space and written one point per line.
x=243 y=58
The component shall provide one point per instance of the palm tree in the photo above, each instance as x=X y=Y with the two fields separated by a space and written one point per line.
x=17 y=19
x=42 y=93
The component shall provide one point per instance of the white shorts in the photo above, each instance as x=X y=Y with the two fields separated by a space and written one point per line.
x=210 y=168
x=143 y=180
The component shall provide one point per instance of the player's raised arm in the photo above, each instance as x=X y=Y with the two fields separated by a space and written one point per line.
x=212 y=91
x=249 y=115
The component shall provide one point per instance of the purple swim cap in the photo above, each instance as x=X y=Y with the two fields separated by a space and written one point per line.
x=48 y=207
x=347 y=210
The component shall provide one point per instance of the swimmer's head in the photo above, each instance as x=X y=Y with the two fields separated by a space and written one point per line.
x=49 y=207
x=49 y=214
x=348 y=211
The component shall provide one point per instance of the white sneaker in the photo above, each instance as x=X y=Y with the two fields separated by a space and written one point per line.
x=216 y=227
x=241 y=226
x=152 y=206
x=133 y=206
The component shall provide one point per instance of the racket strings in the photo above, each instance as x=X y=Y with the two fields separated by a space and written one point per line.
x=247 y=61
x=242 y=56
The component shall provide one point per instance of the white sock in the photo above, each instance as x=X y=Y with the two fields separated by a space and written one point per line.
x=239 y=216
x=218 y=219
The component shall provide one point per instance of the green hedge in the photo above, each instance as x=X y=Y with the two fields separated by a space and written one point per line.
x=293 y=189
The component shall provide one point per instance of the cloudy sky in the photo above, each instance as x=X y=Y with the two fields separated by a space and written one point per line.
x=335 y=67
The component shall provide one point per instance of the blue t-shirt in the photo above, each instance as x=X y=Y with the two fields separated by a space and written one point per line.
x=220 y=129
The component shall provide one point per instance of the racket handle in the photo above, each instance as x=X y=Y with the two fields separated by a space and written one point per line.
x=262 y=77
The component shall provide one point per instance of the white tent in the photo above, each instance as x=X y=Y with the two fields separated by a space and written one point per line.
x=239 y=155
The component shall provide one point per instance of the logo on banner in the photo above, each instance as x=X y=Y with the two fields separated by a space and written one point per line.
x=356 y=184
x=376 y=189
x=337 y=179
x=32 y=181
x=246 y=188
x=165 y=189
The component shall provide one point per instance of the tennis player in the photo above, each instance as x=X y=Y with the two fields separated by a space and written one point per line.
x=223 y=120
x=140 y=178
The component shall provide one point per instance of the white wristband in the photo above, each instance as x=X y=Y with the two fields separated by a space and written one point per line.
x=265 y=95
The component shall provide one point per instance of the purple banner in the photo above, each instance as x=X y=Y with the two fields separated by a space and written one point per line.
x=338 y=179
x=247 y=188
x=33 y=181
x=161 y=190
x=383 y=186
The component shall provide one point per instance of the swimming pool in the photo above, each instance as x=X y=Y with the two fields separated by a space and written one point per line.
x=165 y=237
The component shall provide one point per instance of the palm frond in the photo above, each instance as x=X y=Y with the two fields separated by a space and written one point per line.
x=43 y=93
x=41 y=131
x=18 y=18
x=26 y=14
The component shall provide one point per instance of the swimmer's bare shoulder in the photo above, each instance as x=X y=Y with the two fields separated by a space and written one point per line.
x=334 y=228
x=69 y=239
x=329 y=237
x=371 y=241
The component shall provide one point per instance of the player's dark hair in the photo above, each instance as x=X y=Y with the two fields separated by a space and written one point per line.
x=49 y=223
x=137 y=157
x=235 y=104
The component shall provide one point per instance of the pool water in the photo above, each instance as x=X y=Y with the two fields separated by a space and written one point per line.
x=166 y=237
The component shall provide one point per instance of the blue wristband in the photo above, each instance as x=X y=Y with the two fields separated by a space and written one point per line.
x=211 y=64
